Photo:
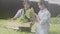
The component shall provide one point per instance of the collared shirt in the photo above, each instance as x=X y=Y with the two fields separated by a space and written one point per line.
x=44 y=16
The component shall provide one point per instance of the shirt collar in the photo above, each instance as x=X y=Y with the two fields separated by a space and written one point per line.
x=43 y=10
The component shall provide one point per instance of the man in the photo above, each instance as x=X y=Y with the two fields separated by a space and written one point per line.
x=25 y=14
x=43 y=19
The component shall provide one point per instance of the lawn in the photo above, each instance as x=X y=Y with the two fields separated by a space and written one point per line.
x=54 y=27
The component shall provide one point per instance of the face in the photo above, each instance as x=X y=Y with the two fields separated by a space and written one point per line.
x=40 y=6
x=26 y=6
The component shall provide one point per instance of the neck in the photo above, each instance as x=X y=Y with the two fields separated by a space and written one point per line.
x=42 y=8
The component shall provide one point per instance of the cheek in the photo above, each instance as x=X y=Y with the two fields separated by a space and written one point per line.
x=39 y=6
x=25 y=5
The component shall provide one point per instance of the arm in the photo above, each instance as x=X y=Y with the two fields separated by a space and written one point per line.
x=45 y=18
x=18 y=14
x=36 y=16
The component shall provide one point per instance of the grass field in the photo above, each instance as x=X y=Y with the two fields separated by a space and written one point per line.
x=54 y=27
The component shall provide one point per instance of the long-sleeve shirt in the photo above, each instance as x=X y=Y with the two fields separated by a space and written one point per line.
x=44 y=16
x=43 y=22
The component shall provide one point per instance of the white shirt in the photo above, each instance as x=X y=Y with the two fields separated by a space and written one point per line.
x=43 y=22
x=44 y=16
x=19 y=13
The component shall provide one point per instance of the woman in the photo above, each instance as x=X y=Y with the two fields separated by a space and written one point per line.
x=43 y=19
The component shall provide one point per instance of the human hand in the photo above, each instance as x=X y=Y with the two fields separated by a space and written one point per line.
x=34 y=14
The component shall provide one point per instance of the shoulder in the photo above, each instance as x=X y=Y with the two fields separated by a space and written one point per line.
x=47 y=12
x=20 y=9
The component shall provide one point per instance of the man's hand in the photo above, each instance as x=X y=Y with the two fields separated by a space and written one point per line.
x=36 y=17
x=34 y=14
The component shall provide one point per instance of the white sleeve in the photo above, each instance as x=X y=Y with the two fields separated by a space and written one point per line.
x=45 y=18
x=18 y=14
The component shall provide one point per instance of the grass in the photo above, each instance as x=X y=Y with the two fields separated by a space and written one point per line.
x=54 y=27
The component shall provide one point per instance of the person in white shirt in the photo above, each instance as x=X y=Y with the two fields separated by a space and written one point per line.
x=43 y=19
x=25 y=15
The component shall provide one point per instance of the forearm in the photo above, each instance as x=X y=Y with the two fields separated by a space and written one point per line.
x=15 y=17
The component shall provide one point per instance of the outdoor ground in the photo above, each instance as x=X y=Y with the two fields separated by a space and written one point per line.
x=54 y=27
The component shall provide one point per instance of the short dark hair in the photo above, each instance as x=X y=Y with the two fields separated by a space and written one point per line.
x=26 y=1
x=42 y=2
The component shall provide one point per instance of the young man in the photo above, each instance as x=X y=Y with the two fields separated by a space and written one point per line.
x=43 y=19
x=25 y=14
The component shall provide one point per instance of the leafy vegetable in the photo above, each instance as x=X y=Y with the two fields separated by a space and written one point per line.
x=28 y=14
